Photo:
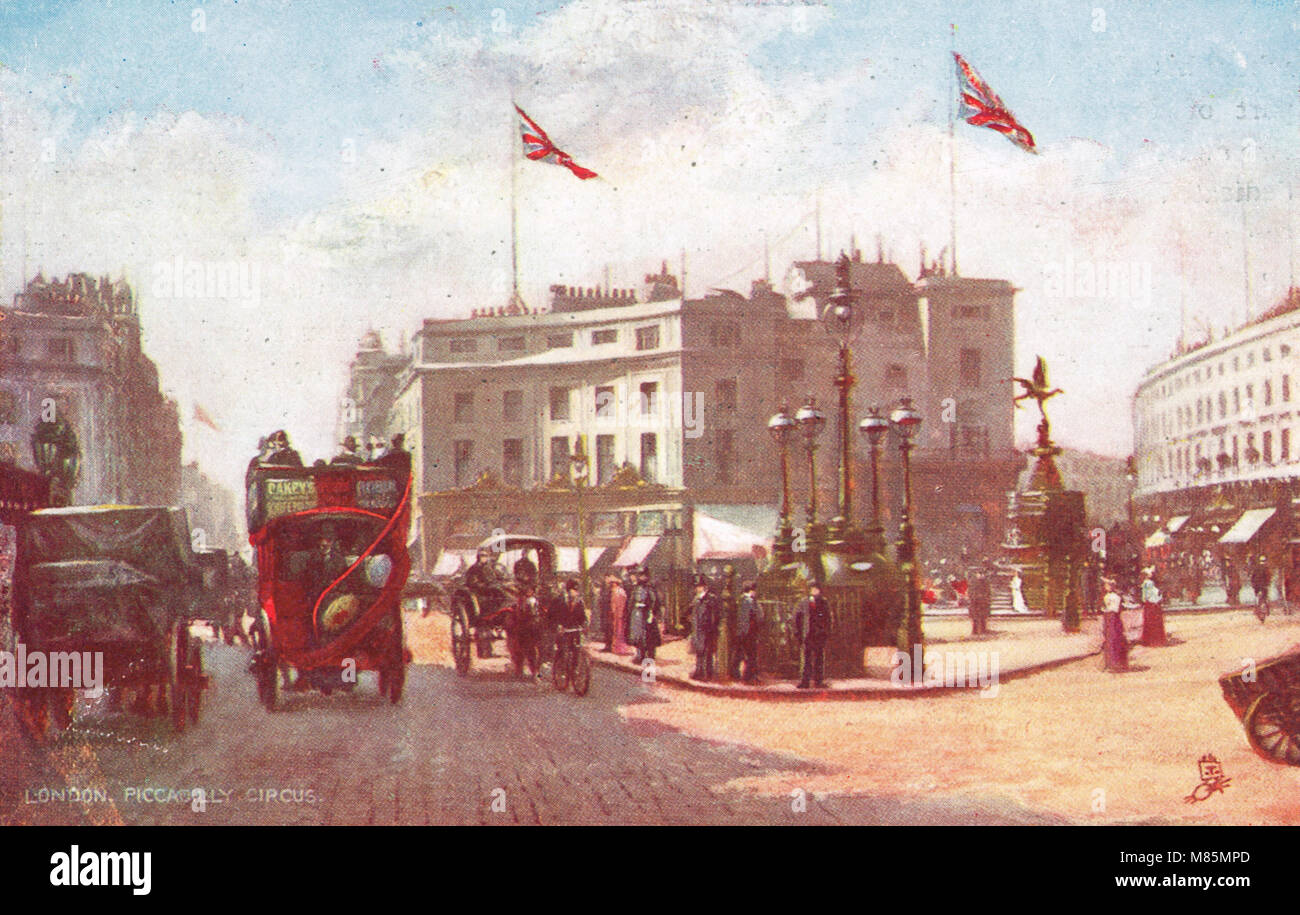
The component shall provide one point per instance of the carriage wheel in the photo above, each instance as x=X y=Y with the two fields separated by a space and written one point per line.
x=1270 y=729
x=178 y=680
x=267 y=670
x=195 y=696
x=581 y=673
x=560 y=671
x=460 y=637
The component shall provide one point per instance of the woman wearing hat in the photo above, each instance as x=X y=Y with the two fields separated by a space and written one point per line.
x=1114 y=644
x=1153 y=615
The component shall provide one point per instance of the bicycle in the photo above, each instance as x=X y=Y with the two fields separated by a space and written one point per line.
x=571 y=666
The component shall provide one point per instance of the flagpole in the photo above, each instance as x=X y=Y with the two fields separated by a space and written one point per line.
x=952 y=150
x=514 y=215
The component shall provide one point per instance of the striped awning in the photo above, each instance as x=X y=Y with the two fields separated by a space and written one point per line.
x=1247 y=525
x=636 y=551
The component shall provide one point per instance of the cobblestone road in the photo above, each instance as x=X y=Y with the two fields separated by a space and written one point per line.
x=486 y=749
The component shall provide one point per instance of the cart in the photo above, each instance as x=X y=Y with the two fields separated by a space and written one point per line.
x=330 y=542
x=498 y=606
x=108 y=585
x=1267 y=702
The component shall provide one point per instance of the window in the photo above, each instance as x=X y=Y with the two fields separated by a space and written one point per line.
x=464 y=345
x=512 y=406
x=970 y=368
x=510 y=344
x=559 y=341
x=604 y=459
x=725 y=394
x=560 y=456
x=599 y=337
x=1200 y=411
x=605 y=403
x=649 y=457
x=1286 y=389
x=725 y=456
x=1236 y=401
x=647 y=337
x=791 y=370
x=463 y=412
x=59 y=349
x=975 y=439
x=512 y=462
x=1284 y=446
x=1268 y=393
x=967 y=311
x=1250 y=359
x=559 y=404
x=462 y=454
x=1223 y=405
x=1250 y=393
x=650 y=398
x=1268 y=447
x=8 y=408
x=721 y=335
x=896 y=377
x=1268 y=356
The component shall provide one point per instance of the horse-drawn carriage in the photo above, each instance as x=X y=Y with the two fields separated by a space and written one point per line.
x=332 y=561
x=1267 y=702
x=113 y=583
x=489 y=604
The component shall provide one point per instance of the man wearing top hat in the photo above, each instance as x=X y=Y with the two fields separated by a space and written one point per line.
x=706 y=616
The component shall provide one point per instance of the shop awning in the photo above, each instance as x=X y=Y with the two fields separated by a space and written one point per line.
x=1247 y=525
x=1175 y=524
x=1157 y=538
x=566 y=557
x=717 y=539
x=636 y=551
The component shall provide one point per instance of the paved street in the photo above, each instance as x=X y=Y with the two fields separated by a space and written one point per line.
x=1072 y=744
x=444 y=756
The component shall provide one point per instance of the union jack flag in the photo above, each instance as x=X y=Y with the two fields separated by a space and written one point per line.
x=539 y=148
x=981 y=106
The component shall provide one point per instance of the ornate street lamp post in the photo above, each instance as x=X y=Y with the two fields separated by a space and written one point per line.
x=811 y=421
x=839 y=319
x=782 y=426
x=874 y=428
x=906 y=422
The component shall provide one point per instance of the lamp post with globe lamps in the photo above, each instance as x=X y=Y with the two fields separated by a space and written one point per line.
x=840 y=319
x=811 y=422
x=579 y=469
x=906 y=422
x=874 y=427
x=781 y=427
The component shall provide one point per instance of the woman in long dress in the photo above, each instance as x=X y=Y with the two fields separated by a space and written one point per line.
x=1114 y=644
x=1017 y=594
x=1153 y=615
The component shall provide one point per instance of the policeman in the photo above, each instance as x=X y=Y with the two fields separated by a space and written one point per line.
x=644 y=630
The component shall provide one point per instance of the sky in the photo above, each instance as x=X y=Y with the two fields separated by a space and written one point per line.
x=350 y=163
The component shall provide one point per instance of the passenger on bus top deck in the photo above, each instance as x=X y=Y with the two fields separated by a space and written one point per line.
x=281 y=451
x=349 y=454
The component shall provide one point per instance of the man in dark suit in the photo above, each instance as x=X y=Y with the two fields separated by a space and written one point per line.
x=749 y=622
x=812 y=624
x=981 y=602
x=706 y=615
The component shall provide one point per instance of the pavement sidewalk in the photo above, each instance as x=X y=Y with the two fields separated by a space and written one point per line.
x=1016 y=647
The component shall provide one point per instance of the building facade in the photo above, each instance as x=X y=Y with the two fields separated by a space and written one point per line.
x=1216 y=436
x=681 y=390
x=70 y=349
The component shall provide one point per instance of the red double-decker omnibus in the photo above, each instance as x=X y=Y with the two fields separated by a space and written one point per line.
x=331 y=562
